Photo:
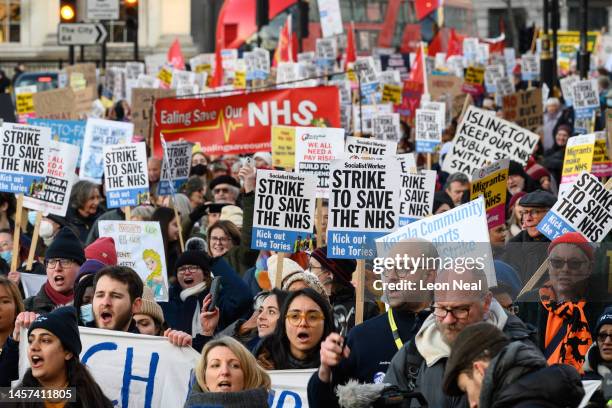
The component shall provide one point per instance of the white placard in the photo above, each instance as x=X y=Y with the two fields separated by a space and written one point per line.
x=126 y=179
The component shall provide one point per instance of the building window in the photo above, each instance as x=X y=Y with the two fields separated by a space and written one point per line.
x=10 y=21
x=498 y=18
x=597 y=17
x=118 y=30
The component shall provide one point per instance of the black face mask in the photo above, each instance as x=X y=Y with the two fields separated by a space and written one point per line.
x=198 y=170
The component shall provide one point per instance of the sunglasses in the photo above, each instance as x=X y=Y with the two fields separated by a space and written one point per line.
x=558 y=263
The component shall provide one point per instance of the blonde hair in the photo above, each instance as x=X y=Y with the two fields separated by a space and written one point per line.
x=254 y=375
x=13 y=291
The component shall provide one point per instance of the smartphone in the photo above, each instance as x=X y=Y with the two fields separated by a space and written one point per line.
x=215 y=290
x=249 y=162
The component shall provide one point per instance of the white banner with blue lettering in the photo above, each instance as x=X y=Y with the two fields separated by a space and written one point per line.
x=290 y=388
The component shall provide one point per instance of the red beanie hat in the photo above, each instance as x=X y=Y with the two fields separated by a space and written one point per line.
x=574 y=238
x=103 y=250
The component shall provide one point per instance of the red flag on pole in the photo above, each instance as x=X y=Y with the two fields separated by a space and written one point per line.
x=175 y=55
x=351 y=53
x=435 y=46
x=284 y=49
x=418 y=68
x=455 y=44
x=423 y=8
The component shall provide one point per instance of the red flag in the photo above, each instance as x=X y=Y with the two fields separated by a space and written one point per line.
x=284 y=49
x=418 y=68
x=435 y=46
x=496 y=45
x=351 y=53
x=455 y=44
x=425 y=7
x=175 y=55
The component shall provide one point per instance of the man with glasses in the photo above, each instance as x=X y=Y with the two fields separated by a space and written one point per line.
x=527 y=250
x=225 y=189
x=63 y=259
x=419 y=366
x=565 y=308
x=371 y=345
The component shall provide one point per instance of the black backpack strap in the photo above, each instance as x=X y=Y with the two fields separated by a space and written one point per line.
x=414 y=360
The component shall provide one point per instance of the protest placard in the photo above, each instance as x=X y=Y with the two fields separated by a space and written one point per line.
x=530 y=67
x=491 y=183
x=284 y=210
x=524 y=108
x=23 y=157
x=83 y=100
x=428 y=131
x=55 y=193
x=578 y=158
x=602 y=164
x=99 y=133
x=24 y=98
x=386 y=126
x=458 y=234
x=483 y=137
x=585 y=208
x=165 y=77
x=504 y=86
x=441 y=85
x=180 y=78
x=133 y=370
x=203 y=63
x=407 y=162
x=416 y=194
x=175 y=167
x=368 y=78
x=126 y=179
x=585 y=95
x=361 y=146
x=283 y=146
x=141 y=247
x=509 y=59
x=290 y=388
x=142 y=107
x=88 y=70
x=315 y=148
x=411 y=97
x=66 y=131
x=567 y=84
x=240 y=124
x=391 y=93
x=325 y=52
x=363 y=116
x=470 y=50
x=493 y=73
x=473 y=82
x=364 y=205
x=31 y=283
x=55 y=104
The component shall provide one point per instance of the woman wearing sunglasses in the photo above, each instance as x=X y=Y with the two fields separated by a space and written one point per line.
x=565 y=309
x=598 y=362
x=305 y=320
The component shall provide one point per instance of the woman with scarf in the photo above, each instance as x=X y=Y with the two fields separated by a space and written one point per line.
x=187 y=295
x=227 y=375
x=305 y=321
x=564 y=310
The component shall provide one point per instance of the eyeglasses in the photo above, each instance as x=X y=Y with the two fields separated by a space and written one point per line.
x=220 y=190
x=532 y=212
x=458 y=312
x=312 y=318
x=219 y=239
x=64 y=263
x=558 y=263
x=512 y=308
x=601 y=337
x=190 y=268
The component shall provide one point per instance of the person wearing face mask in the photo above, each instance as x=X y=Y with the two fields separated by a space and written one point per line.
x=199 y=166
x=49 y=227
x=227 y=375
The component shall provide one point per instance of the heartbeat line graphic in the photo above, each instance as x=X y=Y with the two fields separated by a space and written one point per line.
x=226 y=126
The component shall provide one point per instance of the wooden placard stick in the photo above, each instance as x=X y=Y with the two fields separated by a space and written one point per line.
x=359 y=291
x=34 y=241
x=319 y=222
x=16 y=233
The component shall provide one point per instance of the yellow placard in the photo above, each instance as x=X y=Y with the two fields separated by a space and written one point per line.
x=25 y=103
x=77 y=81
x=240 y=80
x=392 y=93
x=283 y=147
x=474 y=75
x=492 y=187
x=203 y=68
x=577 y=159
x=350 y=73
x=165 y=75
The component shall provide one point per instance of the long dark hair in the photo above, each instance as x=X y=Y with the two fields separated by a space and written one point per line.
x=88 y=392
x=165 y=216
x=277 y=343
x=79 y=291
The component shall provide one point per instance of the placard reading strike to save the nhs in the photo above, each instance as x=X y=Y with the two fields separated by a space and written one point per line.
x=125 y=175
x=23 y=157
x=284 y=209
x=364 y=205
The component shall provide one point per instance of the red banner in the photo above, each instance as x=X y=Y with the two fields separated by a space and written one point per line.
x=241 y=124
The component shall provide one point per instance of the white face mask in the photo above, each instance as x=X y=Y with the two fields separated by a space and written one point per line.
x=46 y=229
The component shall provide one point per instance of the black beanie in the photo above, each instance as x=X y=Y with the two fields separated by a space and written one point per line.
x=223 y=180
x=191 y=257
x=62 y=322
x=66 y=245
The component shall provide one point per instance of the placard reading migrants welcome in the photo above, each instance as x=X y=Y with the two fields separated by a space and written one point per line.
x=284 y=210
x=369 y=147
x=364 y=205
x=524 y=108
x=100 y=133
x=242 y=123
x=175 y=167
x=585 y=208
x=141 y=247
x=315 y=148
x=416 y=194
x=491 y=182
x=23 y=157
x=55 y=193
x=125 y=175
x=482 y=137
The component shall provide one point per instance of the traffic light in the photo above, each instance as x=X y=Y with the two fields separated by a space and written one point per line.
x=68 y=11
